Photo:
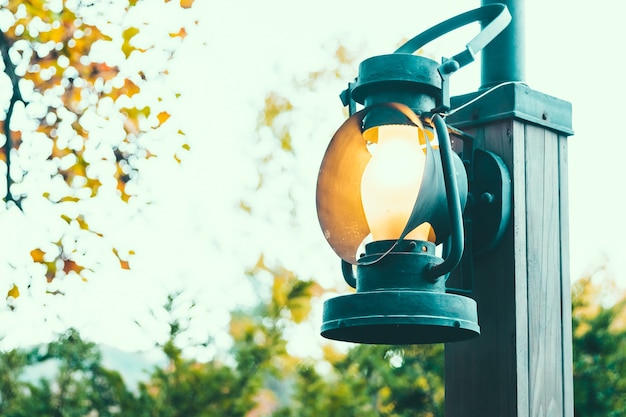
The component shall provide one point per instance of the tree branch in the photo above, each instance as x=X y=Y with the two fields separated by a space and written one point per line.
x=9 y=70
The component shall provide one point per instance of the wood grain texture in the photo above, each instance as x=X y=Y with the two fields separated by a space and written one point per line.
x=543 y=248
x=521 y=363
x=566 y=302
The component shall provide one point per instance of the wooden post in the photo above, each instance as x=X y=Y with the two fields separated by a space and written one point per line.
x=521 y=365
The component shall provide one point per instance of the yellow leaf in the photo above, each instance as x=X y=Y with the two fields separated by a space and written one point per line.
x=384 y=392
x=260 y=264
x=82 y=223
x=315 y=290
x=128 y=34
x=56 y=35
x=240 y=326
x=129 y=88
x=422 y=383
x=69 y=198
x=299 y=307
x=13 y=292
x=186 y=146
x=51 y=272
x=582 y=329
x=618 y=325
x=275 y=105
x=94 y=185
x=332 y=355
x=69 y=265
x=285 y=142
x=135 y=112
x=186 y=4
x=181 y=33
x=93 y=31
x=124 y=264
x=103 y=70
x=280 y=291
x=245 y=207
x=37 y=255
x=121 y=187
x=163 y=116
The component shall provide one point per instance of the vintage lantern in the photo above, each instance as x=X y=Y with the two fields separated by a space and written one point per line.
x=391 y=189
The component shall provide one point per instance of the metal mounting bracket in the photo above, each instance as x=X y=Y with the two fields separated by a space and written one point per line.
x=486 y=215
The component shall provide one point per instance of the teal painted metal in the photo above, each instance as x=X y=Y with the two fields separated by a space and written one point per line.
x=503 y=59
x=512 y=100
x=401 y=295
x=417 y=81
x=401 y=284
x=397 y=302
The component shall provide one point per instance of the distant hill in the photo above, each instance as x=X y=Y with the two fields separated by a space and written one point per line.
x=133 y=366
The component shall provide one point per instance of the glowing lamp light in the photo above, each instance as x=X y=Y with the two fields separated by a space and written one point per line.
x=391 y=181
x=390 y=189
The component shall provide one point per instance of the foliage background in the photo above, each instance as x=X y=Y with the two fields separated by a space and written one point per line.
x=258 y=376
x=197 y=233
x=258 y=102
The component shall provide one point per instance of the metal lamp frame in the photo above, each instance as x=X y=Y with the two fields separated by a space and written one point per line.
x=401 y=297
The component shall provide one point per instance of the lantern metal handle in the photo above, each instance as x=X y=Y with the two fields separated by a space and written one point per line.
x=347 y=271
x=494 y=18
x=497 y=15
x=455 y=250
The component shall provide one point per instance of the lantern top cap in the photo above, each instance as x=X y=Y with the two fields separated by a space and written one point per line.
x=398 y=71
x=404 y=71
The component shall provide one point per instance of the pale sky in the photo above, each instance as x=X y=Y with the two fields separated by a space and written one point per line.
x=193 y=239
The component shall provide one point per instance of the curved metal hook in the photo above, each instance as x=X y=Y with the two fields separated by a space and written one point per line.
x=348 y=273
x=454 y=205
x=497 y=15
x=494 y=17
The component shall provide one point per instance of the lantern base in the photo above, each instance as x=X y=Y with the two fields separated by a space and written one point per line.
x=400 y=317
